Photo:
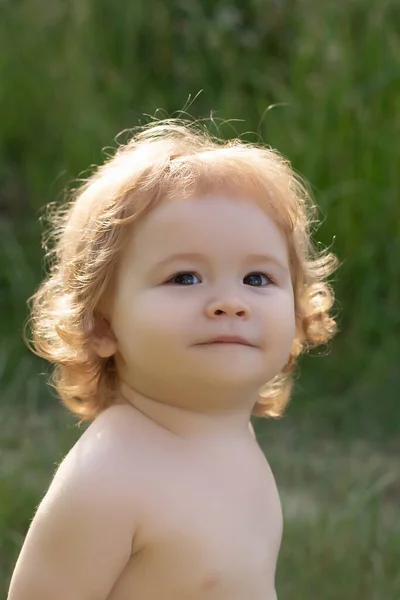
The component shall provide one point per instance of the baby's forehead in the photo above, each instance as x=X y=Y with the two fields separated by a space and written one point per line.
x=204 y=211
x=209 y=226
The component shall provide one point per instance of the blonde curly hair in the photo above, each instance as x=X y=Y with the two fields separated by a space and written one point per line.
x=165 y=159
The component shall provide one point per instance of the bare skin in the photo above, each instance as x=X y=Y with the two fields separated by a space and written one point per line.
x=216 y=533
x=191 y=518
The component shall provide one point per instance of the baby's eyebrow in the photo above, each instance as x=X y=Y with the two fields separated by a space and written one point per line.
x=265 y=258
x=199 y=257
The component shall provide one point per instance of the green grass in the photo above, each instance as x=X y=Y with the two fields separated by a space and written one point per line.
x=341 y=537
x=340 y=500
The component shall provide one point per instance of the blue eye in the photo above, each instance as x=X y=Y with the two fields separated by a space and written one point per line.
x=259 y=279
x=184 y=278
x=187 y=278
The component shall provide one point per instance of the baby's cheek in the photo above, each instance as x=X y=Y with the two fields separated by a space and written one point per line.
x=281 y=322
x=155 y=323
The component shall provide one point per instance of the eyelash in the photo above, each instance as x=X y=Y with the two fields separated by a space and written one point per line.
x=271 y=280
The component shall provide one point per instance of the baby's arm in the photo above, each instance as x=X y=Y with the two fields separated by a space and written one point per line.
x=81 y=536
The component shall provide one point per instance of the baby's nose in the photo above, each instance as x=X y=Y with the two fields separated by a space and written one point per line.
x=231 y=308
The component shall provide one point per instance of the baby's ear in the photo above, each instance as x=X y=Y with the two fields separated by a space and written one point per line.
x=104 y=342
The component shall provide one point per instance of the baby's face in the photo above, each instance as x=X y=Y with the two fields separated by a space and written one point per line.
x=193 y=271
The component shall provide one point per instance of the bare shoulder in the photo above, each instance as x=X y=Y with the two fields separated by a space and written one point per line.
x=89 y=516
x=104 y=453
x=116 y=426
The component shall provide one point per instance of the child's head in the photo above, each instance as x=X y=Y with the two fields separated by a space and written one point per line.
x=115 y=306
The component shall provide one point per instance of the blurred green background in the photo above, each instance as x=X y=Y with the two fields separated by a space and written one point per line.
x=318 y=80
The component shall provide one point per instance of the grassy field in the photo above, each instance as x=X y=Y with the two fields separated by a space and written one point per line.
x=320 y=81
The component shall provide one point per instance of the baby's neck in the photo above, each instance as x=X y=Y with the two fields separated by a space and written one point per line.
x=185 y=422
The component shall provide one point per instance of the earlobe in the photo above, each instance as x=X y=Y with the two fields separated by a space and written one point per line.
x=105 y=347
x=104 y=341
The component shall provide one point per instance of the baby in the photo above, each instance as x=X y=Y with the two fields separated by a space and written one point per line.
x=167 y=495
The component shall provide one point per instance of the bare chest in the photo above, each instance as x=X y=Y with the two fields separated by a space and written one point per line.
x=212 y=529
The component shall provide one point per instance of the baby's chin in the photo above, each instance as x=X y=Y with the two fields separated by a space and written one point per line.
x=227 y=373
